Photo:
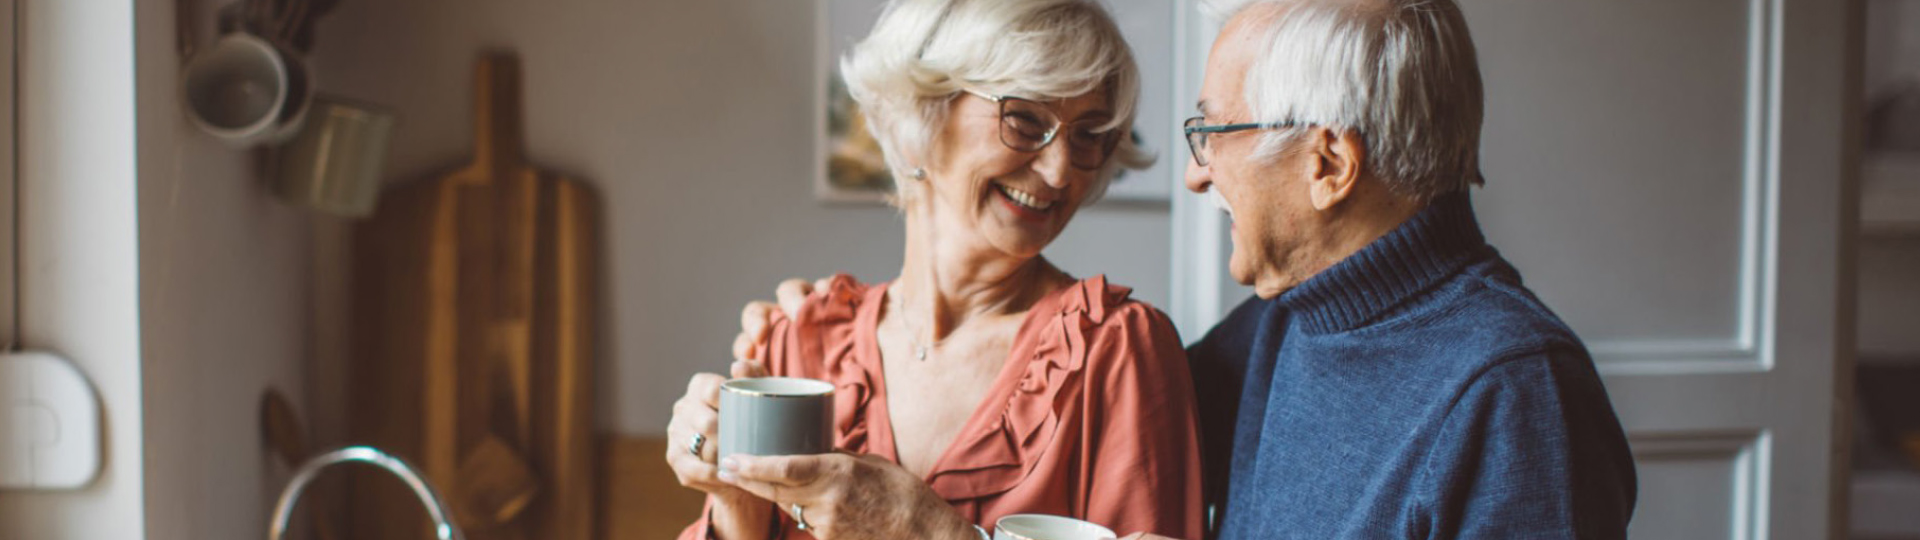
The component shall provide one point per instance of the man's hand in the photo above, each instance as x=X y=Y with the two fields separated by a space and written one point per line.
x=756 y=318
x=847 y=497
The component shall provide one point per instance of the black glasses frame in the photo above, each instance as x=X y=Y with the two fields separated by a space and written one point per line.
x=1197 y=131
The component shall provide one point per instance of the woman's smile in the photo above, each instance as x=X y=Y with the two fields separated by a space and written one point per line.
x=1024 y=205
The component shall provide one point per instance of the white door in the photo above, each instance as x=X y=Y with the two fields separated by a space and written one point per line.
x=1669 y=176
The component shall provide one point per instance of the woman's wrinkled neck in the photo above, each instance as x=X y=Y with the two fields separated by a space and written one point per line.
x=949 y=277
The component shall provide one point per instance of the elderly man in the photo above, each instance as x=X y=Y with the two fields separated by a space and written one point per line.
x=1393 y=378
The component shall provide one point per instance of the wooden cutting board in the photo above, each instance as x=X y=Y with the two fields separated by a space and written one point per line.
x=474 y=331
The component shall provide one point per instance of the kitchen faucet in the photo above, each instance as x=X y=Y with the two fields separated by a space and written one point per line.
x=436 y=508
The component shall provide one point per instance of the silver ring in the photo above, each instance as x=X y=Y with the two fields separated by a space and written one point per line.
x=799 y=521
x=695 y=444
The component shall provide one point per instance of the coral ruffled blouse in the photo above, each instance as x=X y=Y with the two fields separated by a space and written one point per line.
x=1093 y=416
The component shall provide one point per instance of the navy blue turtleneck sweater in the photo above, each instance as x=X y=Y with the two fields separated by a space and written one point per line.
x=1413 y=390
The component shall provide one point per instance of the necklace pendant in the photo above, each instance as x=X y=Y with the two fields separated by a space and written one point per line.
x=920 y=354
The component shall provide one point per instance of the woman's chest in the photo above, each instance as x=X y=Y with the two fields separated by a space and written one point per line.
x=930 y=402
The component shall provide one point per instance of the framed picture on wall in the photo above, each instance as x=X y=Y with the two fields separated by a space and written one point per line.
x=849 y=166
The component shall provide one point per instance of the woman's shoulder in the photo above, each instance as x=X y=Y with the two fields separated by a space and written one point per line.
x=1119 y=342
x=1111 y=307
x=838 y=302
x=1099 y=326
x=821 y=339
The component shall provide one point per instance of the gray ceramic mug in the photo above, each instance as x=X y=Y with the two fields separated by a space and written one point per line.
x=1045 y=527
x=776 y=416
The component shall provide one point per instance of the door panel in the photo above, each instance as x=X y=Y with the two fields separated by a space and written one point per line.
x=1695 y=486
x=1626 y=125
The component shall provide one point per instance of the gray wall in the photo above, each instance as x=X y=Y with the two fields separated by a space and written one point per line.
x=695 y=121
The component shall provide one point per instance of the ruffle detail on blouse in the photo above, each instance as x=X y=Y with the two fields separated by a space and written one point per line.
x=999 y=457
x=832 y=311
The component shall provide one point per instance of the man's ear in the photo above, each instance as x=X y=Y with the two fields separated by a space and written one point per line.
x=1335 y=168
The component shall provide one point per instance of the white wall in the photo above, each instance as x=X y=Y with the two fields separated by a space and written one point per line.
x=694 y=120
x=224 y=273
x=78 y=251
x=154 y=261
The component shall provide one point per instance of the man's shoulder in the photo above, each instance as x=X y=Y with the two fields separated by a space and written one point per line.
x=1486 y=311
x=1508 y=343
x=1233 y=336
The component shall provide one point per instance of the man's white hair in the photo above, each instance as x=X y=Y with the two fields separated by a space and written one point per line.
x=1401 y=73
x=923 y=53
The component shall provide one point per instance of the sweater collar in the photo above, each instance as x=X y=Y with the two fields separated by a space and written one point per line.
x=1426 y=249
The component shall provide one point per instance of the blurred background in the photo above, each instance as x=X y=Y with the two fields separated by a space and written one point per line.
x=569 y=201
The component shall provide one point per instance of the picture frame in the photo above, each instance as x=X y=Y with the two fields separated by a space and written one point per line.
x=848 y=165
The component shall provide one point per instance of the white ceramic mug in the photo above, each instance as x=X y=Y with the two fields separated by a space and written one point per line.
x=246 y=91
x=776 y=416
x=1045 y=527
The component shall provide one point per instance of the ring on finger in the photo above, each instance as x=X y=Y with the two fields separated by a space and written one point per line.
x=799 y=520
x=696 y=443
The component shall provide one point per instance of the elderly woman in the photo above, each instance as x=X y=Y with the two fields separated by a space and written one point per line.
x=983 y=381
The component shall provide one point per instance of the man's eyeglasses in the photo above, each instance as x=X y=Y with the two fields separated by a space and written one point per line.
x=1198 y=130
x=1029 y=126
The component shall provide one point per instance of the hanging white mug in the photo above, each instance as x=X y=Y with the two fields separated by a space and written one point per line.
x=246 y=91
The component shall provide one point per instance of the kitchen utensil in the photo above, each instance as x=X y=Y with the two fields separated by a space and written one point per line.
x=474 y=322
x=287 y=439
x=281 y=428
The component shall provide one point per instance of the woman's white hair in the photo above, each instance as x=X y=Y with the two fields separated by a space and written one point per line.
x=1401 y=73
x=923 y=53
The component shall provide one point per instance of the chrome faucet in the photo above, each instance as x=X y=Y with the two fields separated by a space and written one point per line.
x=283 y=512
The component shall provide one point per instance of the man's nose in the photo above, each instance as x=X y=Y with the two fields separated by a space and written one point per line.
x=1198 y=178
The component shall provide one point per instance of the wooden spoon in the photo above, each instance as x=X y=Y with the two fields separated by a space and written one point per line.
x=286 y=439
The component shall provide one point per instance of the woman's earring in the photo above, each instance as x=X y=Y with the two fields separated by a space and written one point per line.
x=918 y=173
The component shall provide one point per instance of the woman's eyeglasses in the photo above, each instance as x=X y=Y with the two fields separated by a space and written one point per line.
x=1029 y=126
x=1198 y=130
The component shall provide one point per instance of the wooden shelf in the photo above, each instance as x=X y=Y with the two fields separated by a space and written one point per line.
x=1890 y=194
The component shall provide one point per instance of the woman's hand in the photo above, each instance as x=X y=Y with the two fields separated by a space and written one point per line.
x=847 y=497
x=756 y=319
x=735 y=512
